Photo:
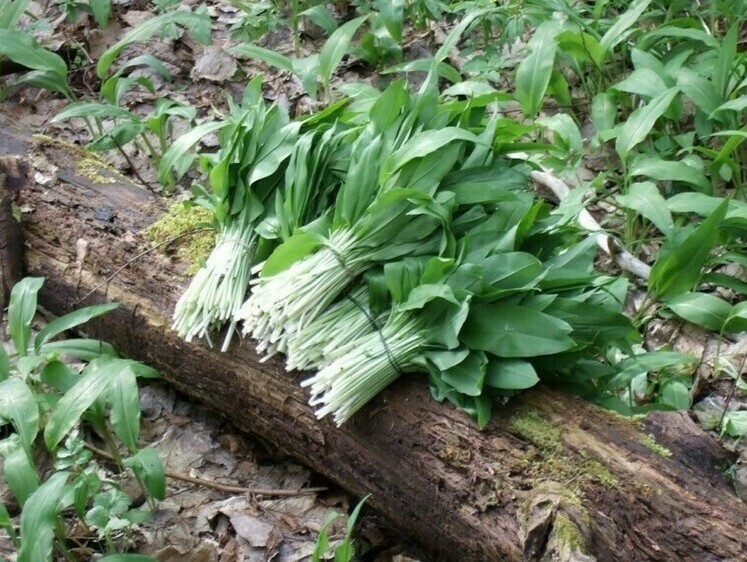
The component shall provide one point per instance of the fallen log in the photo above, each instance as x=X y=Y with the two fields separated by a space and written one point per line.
x=551 y=478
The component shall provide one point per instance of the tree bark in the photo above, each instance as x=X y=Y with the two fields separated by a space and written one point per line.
x=551 y=478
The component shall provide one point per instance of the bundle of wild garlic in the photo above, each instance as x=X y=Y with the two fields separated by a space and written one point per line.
x=256 y=141
x=390 y=235
x=388 y=206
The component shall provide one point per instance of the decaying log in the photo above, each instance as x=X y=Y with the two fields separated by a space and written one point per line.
x=551 y=478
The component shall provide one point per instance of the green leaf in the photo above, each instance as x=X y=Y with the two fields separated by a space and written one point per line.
x=70 y=321
x=289 y=252
x=592 y=323
x=101 y=10
x=700 y=90
x=510 y=271
x=509 y=330
x=11 y=12
x=735 y=423
x=4 y=363
x=392 y=14
x=621 y=28
x=641 y=121
x=20 y=474
x=673 y=31
x=336 y=47
x=678 y=269
x=643 y=82
x=443 y=69
x=172 y=158
x=18 y=406
x=21 y=311
x=7 y=525
x=78 y=348
x=510 y=374
x=93 y=109
x=701 y=309
x=737 y=320
x=322 y=17
x=273 y=58
x=148 y=468
x=23 y=49
x=603 y=111
x=565 y=131
x=737 y=105
x=534 y=72
x=468 y=376
x=455 y=34
x=28 y=364
x=666 y=170
x=322 y=541
x=645 y=199
x=196 y=22
x=725 y=280
x=423 y=144
x=307 y=71
x=675 y=394
x=125 y=407
x=59 y=376
x=47 y=80
x=704 y=205
x=644 y=59
x=95 y=382
x=725 y=64
x=475 y=89
x=39 y=519
x=582 y=46
x=647 y=362
x=485 y=185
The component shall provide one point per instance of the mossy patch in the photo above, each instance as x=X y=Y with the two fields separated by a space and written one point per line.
x=180 y=220
x=531 y=426
x=88 y=165
x=548 y=461
x=568 y=534
x=649 y=441
x=593 y=470
x=97 y=172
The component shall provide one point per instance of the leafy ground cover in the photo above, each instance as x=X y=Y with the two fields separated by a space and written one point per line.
x=383 y=164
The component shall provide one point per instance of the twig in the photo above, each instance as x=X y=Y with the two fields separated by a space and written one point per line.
x=133 y=169
x=611 y=246
x=140 y=255
x=277 y=492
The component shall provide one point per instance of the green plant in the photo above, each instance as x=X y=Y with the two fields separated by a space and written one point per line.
x=345 y=550
x=100 y=9
x=46 y=406
x=197 y=23
x=113 y=125
x=315 y=68
x=11 y=12
x=152 y=133
x=48 y=69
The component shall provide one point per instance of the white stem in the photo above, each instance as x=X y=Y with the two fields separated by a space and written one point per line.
x=372 y=363
x=216 y=292
x=611 y=246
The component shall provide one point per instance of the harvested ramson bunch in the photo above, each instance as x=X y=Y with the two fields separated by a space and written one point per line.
x=257 y=141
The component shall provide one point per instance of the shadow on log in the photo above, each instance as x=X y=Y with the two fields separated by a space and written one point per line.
x=551 y=478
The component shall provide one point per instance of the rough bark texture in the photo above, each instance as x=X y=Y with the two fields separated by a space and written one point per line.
x=551 y=478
